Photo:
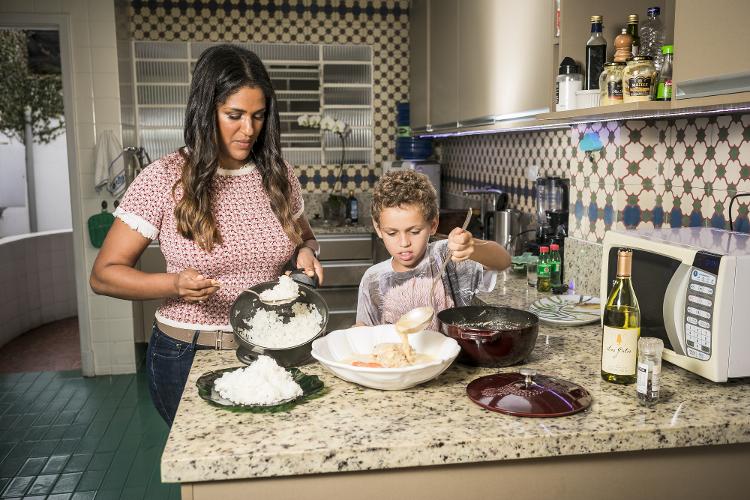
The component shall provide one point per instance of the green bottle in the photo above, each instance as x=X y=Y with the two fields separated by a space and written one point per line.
x=664 y=88
x=555 y=264
x=543 y=282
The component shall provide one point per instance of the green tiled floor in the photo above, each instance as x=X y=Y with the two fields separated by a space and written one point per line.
x=63 y=436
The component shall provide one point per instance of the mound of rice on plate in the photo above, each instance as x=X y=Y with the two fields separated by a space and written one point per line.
x=267 y=329
x=262 y=383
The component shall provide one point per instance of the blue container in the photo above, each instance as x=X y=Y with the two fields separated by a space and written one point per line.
x=402 y=114
x=413 y=148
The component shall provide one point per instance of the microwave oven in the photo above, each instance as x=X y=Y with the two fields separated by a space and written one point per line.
x=693 y=289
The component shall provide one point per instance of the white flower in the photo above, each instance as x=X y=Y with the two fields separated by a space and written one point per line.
x=340 y=127
x=327 y=123
x=303 y=121
x=315 y=121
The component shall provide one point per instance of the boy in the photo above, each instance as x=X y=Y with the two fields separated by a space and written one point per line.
x=405 y=215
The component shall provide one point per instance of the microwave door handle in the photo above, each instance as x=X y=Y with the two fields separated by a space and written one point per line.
x=673 y=308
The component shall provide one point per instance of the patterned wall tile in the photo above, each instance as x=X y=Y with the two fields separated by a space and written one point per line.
x=501 y=161
x=382 y=24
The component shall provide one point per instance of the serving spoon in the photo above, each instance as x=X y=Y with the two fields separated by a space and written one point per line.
x=418 y=318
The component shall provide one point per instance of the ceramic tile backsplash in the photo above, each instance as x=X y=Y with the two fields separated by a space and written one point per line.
x=623 y=174
x=502 y=161
x=382 y=24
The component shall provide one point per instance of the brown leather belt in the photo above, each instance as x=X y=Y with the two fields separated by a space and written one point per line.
x=206 y=338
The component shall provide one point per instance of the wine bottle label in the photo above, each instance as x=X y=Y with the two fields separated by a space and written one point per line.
x=619 y=350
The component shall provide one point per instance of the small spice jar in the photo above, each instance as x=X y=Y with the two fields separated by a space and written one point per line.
x=610 y=84
x=648 y=370
x=638 y=79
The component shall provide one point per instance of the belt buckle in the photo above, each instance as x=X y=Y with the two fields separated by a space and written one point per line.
x=219 y=341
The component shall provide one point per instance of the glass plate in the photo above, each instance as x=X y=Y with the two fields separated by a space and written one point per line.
x=567 y=310
x=312 y=387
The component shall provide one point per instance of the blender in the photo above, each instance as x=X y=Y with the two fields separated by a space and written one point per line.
x=552 y=201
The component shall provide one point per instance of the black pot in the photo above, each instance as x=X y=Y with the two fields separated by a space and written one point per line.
x=247 y=304
x=489 y=335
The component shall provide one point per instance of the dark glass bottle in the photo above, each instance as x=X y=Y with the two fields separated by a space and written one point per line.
x=352 y=208
x=596 y=53
x=632 y=30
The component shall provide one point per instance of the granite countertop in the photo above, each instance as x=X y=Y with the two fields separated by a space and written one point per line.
x=354 y=429
x=321 y=228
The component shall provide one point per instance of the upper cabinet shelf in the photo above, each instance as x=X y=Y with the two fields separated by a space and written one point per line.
x=476 y=64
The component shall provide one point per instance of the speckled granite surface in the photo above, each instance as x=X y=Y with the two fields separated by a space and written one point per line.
x=363 y=227
x=353 y=429
x=583 y=263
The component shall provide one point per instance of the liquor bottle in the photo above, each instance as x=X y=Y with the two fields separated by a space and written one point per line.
x=596 y=53
x=555 y=266
x=352 y=208
x=664 y=88
x=632 y=30
x=621 y=326
x=543 y=283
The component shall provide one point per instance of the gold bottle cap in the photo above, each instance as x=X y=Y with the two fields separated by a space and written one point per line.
x=624 y=262
x=596 y=19
x=633 y=18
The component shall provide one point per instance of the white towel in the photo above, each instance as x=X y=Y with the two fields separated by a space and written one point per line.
x=110 y=164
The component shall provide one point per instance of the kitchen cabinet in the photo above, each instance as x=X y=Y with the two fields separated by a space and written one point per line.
x=711 y=41
x=475 y=62
x=345 y=258
x=419 y=67
x=443 y=63
x=504 y=60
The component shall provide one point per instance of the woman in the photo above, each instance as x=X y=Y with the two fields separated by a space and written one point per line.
x=228 y=213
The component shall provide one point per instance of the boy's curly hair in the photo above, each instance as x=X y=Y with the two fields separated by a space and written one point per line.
x=404 y=187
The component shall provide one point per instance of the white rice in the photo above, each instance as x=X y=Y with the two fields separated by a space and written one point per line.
x=266 y=328
x=287 y=289
x=262 y=383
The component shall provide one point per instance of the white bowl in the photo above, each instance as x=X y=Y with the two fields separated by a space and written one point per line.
x=333 y=349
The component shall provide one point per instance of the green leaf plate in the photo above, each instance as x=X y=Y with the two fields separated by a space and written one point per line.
x=312 y=387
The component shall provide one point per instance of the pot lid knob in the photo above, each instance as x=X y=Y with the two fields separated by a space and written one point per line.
x=528 y=374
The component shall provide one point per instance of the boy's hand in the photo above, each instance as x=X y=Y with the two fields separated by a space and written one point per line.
x=461 y=243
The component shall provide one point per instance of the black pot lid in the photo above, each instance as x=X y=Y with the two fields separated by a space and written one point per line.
x=527 y=394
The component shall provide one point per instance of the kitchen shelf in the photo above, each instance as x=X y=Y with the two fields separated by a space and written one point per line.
x=654 y=109
x=720 y=104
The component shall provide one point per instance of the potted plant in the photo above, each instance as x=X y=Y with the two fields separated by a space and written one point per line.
x=334 y=208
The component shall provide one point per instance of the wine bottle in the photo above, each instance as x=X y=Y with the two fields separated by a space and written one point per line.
x=621 y=326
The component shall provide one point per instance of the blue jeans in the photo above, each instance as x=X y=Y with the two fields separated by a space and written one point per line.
x=168 y=363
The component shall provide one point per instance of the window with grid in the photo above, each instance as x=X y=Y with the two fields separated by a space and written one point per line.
x=309 y=79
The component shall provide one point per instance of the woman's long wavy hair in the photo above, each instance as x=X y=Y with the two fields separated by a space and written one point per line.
x=219 y=72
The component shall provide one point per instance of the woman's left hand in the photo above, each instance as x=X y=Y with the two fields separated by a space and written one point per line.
x=307 y=262
x=461 y=243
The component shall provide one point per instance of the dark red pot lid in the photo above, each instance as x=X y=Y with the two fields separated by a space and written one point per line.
x=527 y=394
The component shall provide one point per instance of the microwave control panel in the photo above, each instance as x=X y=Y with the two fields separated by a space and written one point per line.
x=699 y=311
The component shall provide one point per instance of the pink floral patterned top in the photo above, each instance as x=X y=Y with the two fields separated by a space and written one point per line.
x=254 y=248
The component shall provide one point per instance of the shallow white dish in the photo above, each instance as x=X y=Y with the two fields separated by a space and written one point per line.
x=333 y=349
x=567 y=310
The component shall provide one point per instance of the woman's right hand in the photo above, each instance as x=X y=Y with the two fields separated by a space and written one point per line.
x=192 y=286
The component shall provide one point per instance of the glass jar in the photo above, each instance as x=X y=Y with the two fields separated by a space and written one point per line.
x=638 y=79
x=648 y=370
x=610 y=84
